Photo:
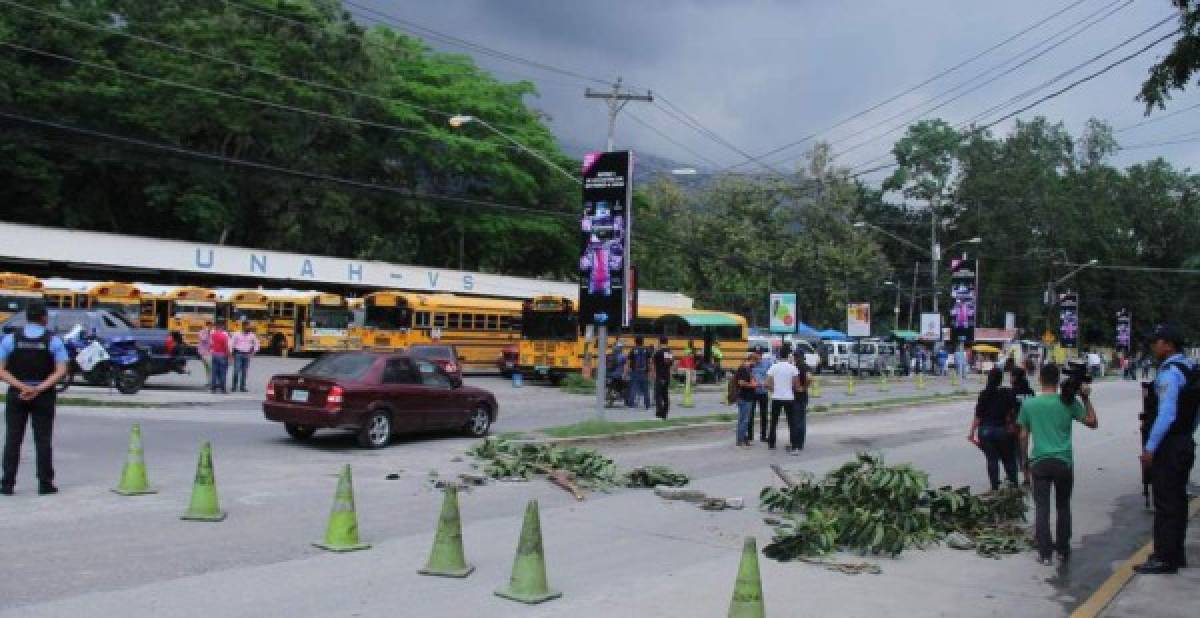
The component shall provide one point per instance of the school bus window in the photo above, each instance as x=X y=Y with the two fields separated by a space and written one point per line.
x=452 y=321
x=439 y=320
x=422 y=320
x=505 y=322
x=480 y=321
x=492 y=322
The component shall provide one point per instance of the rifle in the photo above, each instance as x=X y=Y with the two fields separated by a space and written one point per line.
x=1146 y=418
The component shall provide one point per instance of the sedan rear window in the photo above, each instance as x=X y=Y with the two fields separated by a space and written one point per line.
x=343 y=366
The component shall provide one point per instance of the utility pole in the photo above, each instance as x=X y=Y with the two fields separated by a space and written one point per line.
x=616 y=101
x=913 y=300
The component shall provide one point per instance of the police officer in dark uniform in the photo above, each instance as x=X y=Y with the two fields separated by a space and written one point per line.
x=1170 y=451
x=663 y=364
x=32 y=361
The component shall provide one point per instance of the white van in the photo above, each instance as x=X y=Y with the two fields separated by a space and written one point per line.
x=872 y=357
x=835 y=356
x=803 y=350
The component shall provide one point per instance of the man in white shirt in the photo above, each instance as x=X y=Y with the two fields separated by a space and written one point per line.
x=781 y=383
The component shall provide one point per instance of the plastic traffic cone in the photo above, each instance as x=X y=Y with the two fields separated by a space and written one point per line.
x=954 y=378
x=920 y=381
x=747 y=599
x=204 y=505
x=850 y=387
x=689 y=400
x=814 y=389
x=342 y=532
x=883 y=381
x=133 y=475
x=528 y=581
x=446 y=558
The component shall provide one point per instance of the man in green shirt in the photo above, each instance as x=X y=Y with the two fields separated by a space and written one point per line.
x=1048 y=419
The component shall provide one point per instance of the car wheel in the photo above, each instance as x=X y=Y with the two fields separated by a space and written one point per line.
x=376 y=431
x=480 y=422
x=129 y=381
x=299 y=432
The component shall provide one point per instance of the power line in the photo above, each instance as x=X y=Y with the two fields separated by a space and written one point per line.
x=697 y=126
x=464 y=43
x=1068 y=87
x=315 y=176
x=669 y=139
x=1081 y=28
x=1082 y=80
x=1157 y=144
x=916 y=87
x=1158 y=119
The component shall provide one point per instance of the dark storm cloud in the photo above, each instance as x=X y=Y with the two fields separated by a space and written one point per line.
x=762 y=73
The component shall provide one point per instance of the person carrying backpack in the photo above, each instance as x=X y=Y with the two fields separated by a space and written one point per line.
x=1170 y=450
x=639 y=373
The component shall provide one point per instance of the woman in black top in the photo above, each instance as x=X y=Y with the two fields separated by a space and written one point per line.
x=1022 y=391
x=992 y=428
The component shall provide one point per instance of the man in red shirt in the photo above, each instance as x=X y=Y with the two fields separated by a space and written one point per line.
x=221 y=350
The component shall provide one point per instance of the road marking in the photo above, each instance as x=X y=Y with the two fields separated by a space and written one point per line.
x=1117 y=581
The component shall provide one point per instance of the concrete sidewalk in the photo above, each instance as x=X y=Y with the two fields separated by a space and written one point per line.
x=1163 y=596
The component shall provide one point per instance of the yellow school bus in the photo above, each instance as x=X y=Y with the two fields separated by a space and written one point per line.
x=551 y=344
x=250 y=306
x=124 y=299
x=62 y=298
x=309 y=322
x=156 y=310
x=190 y=309
x=17 y=292
x=480 y=328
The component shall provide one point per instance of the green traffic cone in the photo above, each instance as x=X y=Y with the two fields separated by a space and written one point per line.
x=689 y=400
x=747 y=599
x=528 y=581
x=850 y=387
x=133 y=475
x=204 y=505
x=446 y=558
x=342 y=532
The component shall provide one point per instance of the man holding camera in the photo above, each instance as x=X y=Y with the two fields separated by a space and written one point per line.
x=1170 y=450
x=1048 y=418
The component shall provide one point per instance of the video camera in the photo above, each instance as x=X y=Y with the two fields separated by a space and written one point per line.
x=1076 y=371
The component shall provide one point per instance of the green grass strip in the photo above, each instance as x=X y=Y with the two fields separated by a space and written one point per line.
x=593 y=427
x=87 y=402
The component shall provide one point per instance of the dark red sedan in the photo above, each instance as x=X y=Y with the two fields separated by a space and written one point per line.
x=376 y=394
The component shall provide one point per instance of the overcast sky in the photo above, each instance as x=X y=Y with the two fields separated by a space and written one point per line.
x=762 y=73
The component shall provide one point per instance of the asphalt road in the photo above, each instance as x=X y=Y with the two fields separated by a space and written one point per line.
x=88 y=552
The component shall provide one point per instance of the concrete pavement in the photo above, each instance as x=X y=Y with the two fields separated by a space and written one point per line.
x=87 y=552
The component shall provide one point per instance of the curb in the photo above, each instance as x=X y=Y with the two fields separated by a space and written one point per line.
x=1108 y=591
x=683 y=430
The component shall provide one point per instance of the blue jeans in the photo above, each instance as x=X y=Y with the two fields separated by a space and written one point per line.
x=241 y=363
x=639 y=384
x=745 y=414
x=220 y=366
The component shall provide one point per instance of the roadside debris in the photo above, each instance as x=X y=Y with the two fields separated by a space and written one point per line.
x=869 y=507
x=564 y=479
x=586 y=468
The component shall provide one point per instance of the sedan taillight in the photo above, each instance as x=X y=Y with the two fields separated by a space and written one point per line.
x=335 y=399
x=271 y=390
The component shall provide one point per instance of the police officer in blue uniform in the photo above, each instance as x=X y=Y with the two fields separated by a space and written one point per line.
x=1170 y=450
x=32 y=361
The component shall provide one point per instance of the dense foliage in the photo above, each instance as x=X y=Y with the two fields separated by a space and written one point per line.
x=331 y=64
x=869 y=507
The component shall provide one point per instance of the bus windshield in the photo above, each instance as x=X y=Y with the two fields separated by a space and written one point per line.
x=12 y=304
x=189 y=310
x=130 y=311
x=388 y=318
x=331 y=317
x=549 y=325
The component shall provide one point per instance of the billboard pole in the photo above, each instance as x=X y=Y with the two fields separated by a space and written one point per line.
x=616 y=101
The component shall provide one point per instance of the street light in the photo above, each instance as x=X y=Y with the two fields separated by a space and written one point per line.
x=1089 y=264
x=896 y=309
x=970 y=241
x=459 y=120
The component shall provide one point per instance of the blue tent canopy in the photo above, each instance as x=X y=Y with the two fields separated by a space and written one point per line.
x=833 y=334
x=804 y=330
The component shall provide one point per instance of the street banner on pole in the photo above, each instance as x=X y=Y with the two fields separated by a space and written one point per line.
x=931 y=327
x=962 y=291
x=1124 y=329
x=784 y=318
x=858 y=319
x=1068 y=314
x=606 y=230
x=1010 y=321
